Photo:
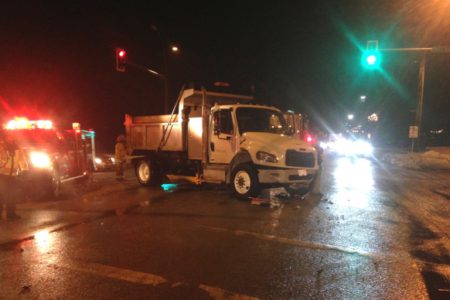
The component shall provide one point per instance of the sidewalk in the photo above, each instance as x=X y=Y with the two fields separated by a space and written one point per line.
x=435 y=158
x=106 y=198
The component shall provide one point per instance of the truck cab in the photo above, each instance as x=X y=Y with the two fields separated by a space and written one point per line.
x=253 y=141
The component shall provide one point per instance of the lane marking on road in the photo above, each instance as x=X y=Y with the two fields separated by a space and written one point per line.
x=299 y=243
x=146 y=279
x=115 y=273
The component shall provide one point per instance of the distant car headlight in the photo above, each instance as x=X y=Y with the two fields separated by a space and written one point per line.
x=266 y=157
x=40 y=160
x=363 y=147
x=98 y=161
x=113 y=160
x=358 y=147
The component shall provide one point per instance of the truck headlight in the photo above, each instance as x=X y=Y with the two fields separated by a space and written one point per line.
x=40 y=160
x=266 y=157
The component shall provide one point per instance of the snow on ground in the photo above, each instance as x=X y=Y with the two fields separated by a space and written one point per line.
x=433 y=158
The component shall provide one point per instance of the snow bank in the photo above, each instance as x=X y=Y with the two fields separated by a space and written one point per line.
x=435 y=158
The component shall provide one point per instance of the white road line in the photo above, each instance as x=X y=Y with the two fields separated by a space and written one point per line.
x=146 y=279
x=418 y=265
x=115 y=273
x=303 y=244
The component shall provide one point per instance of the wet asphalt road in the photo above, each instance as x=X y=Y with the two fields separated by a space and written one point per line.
x=375 y=233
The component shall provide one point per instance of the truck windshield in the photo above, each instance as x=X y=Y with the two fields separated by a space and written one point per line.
x=260 y=120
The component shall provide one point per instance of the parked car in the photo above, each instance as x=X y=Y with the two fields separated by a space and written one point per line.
x=104 y=162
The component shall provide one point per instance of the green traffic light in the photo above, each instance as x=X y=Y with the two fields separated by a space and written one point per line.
x=371 y=59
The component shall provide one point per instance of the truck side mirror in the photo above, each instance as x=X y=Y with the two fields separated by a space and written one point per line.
x=222 y=123
x=216 y=124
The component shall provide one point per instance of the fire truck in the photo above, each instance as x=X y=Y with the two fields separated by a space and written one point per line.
x=54 y=157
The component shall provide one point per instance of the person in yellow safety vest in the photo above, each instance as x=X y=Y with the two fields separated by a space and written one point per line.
x=13 y=163
x=120 y=156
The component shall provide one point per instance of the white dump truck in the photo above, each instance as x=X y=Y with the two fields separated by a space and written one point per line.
x=220 y=138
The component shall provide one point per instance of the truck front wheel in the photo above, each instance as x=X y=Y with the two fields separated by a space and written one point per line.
x=244 y=182
x=146 y=173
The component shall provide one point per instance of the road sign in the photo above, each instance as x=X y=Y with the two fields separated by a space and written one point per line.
x=413 y=132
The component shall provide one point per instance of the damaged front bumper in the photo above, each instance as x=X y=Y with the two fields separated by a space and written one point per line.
x=283 y=176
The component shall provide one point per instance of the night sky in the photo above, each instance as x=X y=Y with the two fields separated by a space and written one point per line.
x=57 y=59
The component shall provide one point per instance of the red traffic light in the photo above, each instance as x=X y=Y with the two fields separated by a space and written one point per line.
x=121 y=59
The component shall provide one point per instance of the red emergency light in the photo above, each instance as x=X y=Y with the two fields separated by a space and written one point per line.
x=309 y=138
x=23 y=123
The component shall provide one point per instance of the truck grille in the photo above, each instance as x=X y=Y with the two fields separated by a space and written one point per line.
x=299 y=159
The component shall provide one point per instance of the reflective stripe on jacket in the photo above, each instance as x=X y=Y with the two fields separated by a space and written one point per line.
x=12 y=165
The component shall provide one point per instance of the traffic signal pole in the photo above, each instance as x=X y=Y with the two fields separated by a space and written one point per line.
x=419 y=104
x=415 y=142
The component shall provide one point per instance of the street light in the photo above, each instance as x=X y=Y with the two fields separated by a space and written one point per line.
x=175 y=49
x=363 y=98
x=350 y=117
x=373 y=118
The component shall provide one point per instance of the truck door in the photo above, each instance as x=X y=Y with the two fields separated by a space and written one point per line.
x=222 y=141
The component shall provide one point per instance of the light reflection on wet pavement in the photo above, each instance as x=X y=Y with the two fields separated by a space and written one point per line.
x=354 y=242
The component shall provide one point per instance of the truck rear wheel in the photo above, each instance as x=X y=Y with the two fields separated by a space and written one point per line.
x=244 y=182
x=146 y=173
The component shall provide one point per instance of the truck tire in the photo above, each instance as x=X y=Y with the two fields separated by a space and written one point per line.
x=244 y=182
x=146 y=173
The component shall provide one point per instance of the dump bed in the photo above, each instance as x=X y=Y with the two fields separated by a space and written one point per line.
x=146 y=132
x=184 y=130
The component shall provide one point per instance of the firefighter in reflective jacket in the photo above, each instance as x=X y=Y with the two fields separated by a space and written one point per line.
x=13 y=163
x=120 y=155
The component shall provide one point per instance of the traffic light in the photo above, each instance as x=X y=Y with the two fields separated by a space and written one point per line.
x=121 y=59
x=371 y=57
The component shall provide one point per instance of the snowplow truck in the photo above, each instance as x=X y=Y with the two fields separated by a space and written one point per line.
x=220 y=138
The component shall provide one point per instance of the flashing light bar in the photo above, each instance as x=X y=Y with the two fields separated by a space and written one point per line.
x=24 y=123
